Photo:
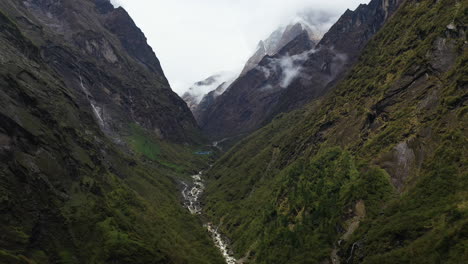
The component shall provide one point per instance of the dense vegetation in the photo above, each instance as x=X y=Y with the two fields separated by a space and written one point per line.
x=374 y=172
x=70 y=195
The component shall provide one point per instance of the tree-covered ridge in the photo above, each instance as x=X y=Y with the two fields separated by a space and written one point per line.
x=375 y=171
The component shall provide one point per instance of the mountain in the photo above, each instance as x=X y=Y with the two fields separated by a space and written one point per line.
x=193 y=96
x=356 y=150
x=202 y=93
x=373 y=171
x=98 y=54
x=209 y=99
x=278 y=39
x=295 y=75
x=77 y=77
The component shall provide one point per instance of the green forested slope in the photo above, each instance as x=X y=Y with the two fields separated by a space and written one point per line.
x=374 y=172
x=67 y=193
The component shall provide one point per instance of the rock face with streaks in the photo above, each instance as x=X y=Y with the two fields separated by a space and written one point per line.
x=99 y=51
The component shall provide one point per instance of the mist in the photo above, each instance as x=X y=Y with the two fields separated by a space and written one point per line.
x=194 y=39
x=291 y=67
x=219 y=82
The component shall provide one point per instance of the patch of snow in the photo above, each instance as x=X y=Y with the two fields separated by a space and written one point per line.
x=220 y=80
x=116 y=3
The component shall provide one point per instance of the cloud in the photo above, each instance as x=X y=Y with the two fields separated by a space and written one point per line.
x=288 y=68
x=200 y=89
x=194 y=39
x=291 y=66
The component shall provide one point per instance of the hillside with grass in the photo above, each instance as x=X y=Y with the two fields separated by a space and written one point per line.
x=374 y=171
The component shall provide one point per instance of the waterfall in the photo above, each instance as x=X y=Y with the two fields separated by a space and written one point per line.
x=96 y=109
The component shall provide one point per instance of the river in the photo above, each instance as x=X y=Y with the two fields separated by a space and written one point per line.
x=192 y=193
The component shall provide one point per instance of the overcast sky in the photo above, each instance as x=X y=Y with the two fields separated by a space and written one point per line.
x=194 y=39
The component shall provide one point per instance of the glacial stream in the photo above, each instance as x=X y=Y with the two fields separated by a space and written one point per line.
x=192 y=193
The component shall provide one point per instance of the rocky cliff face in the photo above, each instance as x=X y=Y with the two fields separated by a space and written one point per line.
x=354 y=29
x=277 y=40
x=296 y=74
x=67 y=193
x=100 y=52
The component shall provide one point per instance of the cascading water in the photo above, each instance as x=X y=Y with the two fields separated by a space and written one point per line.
x=96 y=109
x=192 y=194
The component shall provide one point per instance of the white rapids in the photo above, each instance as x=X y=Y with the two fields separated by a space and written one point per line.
x=192 y=196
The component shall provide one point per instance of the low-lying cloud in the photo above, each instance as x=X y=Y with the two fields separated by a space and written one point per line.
x=194 y=39
x=290 y=67
x=218 y=83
